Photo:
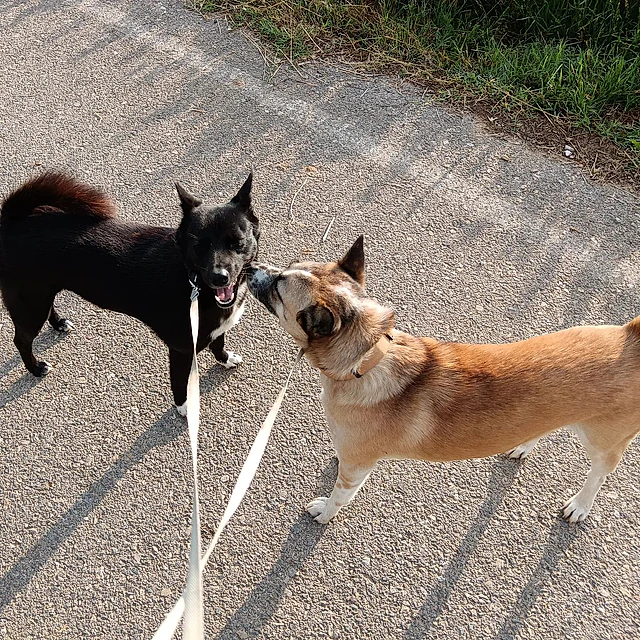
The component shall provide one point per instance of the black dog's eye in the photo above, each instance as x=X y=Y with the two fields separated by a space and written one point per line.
x=203 y=245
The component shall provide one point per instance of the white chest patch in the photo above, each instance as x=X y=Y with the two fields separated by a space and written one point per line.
x=229 y=323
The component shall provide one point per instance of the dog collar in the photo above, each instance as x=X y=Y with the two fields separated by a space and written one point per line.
x=379 y=351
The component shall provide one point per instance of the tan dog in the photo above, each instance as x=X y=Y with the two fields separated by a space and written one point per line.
x=388 y=394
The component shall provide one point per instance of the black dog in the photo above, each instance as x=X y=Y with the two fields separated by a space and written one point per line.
x=57 y=233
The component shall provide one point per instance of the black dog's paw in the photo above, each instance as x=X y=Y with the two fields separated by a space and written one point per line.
x=41 y=369
x=231 y=361
x=63 y=325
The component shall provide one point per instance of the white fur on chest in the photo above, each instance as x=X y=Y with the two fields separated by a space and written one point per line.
x=229 y=323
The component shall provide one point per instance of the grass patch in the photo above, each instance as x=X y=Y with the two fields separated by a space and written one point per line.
x=574 y=60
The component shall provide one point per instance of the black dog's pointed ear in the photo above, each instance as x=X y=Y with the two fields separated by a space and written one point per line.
x=243 y=197
x=188 y=201
x=317 y=320
x=353 y=261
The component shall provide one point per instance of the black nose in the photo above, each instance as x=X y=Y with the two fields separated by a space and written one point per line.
x=220 y=278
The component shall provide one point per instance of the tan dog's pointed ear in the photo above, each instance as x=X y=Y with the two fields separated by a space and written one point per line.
x=353 y=261
x=317 y=321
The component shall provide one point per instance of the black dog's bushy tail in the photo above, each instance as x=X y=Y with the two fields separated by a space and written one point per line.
x=56 y=192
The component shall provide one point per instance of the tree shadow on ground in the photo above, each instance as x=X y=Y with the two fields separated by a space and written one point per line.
x=164 y=431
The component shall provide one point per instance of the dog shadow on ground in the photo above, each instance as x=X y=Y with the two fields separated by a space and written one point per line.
x=212 y=375
x=304 y=535
x=562 y=535
x=22 y=385
x=25 y=383
x=161 y=433
x=164 y=431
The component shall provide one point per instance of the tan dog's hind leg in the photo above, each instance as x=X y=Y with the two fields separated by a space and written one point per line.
x=350 y=478
x=604 y=460
x=523 y=450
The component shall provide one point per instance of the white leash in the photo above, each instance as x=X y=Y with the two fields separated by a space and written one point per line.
x=193 y=627
x=190 y=602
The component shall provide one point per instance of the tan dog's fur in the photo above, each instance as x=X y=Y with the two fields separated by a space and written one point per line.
x=439 y=401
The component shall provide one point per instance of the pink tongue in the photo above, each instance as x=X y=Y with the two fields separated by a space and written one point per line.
x=225 y=294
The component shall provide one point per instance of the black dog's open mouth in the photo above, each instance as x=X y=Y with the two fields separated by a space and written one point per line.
x=226 y=296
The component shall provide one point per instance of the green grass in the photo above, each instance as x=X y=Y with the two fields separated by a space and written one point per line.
x=577 y=60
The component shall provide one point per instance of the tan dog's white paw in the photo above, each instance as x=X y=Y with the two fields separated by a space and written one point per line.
x=519 y=453
x=523 y=450
x=233 y=360
x=575 y=510
x=318 y=509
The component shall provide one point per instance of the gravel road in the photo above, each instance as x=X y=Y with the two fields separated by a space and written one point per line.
x=468 y=236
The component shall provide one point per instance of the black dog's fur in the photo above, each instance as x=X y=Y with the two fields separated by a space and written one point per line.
x=57 y=233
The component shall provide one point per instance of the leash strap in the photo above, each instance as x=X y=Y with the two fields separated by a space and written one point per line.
x=250 y=466
x=193 y=627
x=190 y=602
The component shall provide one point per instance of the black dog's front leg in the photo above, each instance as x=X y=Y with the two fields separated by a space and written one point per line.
x=179 y=367
x=226 y=358
x=218 y=350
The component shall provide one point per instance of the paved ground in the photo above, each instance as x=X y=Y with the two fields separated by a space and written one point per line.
x=468 y=237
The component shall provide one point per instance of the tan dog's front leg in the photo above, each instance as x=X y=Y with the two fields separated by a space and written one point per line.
x=350 y=478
